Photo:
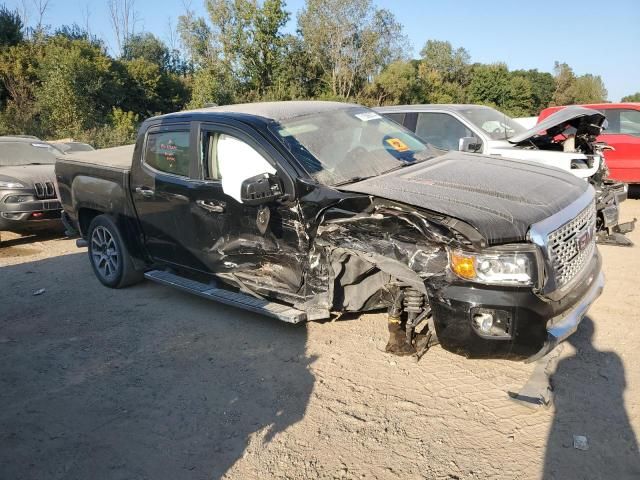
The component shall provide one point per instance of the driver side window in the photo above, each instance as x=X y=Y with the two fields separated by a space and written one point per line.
x=231 y=160
x=441 y=130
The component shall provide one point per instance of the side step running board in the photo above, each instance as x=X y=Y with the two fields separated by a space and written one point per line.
x=240 y=300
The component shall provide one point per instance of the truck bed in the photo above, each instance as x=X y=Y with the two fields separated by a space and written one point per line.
x=116 y=157
x=97 y=181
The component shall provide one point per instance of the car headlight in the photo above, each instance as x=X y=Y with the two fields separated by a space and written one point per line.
x=508 y=265
x=11 y=185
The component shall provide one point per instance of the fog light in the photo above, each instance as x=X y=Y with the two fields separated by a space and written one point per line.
x=491 y=323
x=19 y=198
x=483 y=322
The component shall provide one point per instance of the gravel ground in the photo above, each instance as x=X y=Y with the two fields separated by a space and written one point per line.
x=148 y=382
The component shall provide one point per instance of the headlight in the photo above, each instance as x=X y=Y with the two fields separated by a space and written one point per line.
x=503 y=266
x=11 y=185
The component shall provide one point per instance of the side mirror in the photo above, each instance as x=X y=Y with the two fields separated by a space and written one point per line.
x=261 y=189
x=469 y=144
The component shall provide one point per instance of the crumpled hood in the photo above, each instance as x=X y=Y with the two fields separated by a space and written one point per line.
x=28 y=174
x=501 y=198
x=584 y=120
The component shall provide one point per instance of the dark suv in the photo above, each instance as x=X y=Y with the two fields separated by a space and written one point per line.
x=28 y=199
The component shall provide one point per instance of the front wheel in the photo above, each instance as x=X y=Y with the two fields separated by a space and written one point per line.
x=108 y=254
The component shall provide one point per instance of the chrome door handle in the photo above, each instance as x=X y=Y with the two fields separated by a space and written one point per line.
x=145 y=192
x=209 y=206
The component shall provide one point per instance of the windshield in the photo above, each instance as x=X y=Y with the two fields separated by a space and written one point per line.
x=350 y=144
x=496 y=124
x=26 y=153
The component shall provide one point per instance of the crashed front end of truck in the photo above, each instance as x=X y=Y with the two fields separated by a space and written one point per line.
x=575 y=130
x=443 y=283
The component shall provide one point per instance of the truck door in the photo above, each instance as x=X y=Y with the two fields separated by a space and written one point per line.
x=260 y=245
x=162 y=190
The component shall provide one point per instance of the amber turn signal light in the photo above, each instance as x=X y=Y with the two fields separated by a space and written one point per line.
x=463 y=265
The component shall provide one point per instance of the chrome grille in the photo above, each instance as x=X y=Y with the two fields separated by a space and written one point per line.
x=44 y=190
x=572 y=245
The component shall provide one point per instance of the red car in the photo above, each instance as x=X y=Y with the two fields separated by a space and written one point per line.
x=623 y=134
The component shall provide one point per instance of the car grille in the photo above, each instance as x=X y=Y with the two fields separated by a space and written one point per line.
x=44 y=190
x=572 y=245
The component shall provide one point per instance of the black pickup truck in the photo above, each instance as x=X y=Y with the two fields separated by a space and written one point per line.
x=299 y=210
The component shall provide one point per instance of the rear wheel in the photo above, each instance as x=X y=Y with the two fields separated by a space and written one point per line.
x=108 y=254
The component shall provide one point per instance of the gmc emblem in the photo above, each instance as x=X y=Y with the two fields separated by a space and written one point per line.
x=583 y=240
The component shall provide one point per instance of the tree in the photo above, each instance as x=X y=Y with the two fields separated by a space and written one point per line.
x=296 y=76
x=396 y=84
x=564 y=80
x=11 y=27
x=589 y=88
x=489 y=84
x=148 y=47
x=71 y=95
x=196 y=38
x=150 y=89
x=350 y=41
x=243 y=41
x=210 y=87
x=632 y=98
x=542 y=88
x=123 y=17
x=494 y=85
x=452 y=65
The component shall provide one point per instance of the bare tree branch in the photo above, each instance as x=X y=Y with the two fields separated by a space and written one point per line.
x=123 y=17
x=41 y=7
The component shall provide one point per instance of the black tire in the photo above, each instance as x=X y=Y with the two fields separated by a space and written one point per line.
x=108 y=254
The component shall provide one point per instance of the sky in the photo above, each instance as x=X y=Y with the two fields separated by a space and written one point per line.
x=598 y=37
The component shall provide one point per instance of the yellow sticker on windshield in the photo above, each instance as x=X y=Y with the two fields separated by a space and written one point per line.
x=397 y=144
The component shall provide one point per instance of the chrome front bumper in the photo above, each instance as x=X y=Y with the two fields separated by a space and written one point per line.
x=562 y=326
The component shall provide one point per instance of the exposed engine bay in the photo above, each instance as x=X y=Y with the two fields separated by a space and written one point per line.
x=575 y=130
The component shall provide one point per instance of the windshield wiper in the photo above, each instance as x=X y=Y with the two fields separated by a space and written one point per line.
x=402 y=165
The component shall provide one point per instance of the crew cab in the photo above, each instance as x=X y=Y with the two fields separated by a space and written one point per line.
x=567 y=140
x=299 y=210
x=622 y=133
x=28 y=200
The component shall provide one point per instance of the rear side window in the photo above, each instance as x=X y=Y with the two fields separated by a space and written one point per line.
x=168 y=152
x=396 y=117
x=630 y=122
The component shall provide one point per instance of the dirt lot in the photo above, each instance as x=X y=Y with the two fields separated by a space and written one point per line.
x=148 y=382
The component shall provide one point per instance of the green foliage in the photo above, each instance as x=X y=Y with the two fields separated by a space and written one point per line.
x=146 y=46
x=542 y=86
x=396 y=84
x=632 y=98
x=350 y=41
x=65 y=84
x=210 y=87
x=452 y=65
x=575 y=90
x=121 y=129
x=565 y=79
x=71 y=95
x=589 y=89
x=11 y=27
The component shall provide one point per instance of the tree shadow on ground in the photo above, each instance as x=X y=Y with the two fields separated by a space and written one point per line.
x=589 y=402
x=144 y=382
